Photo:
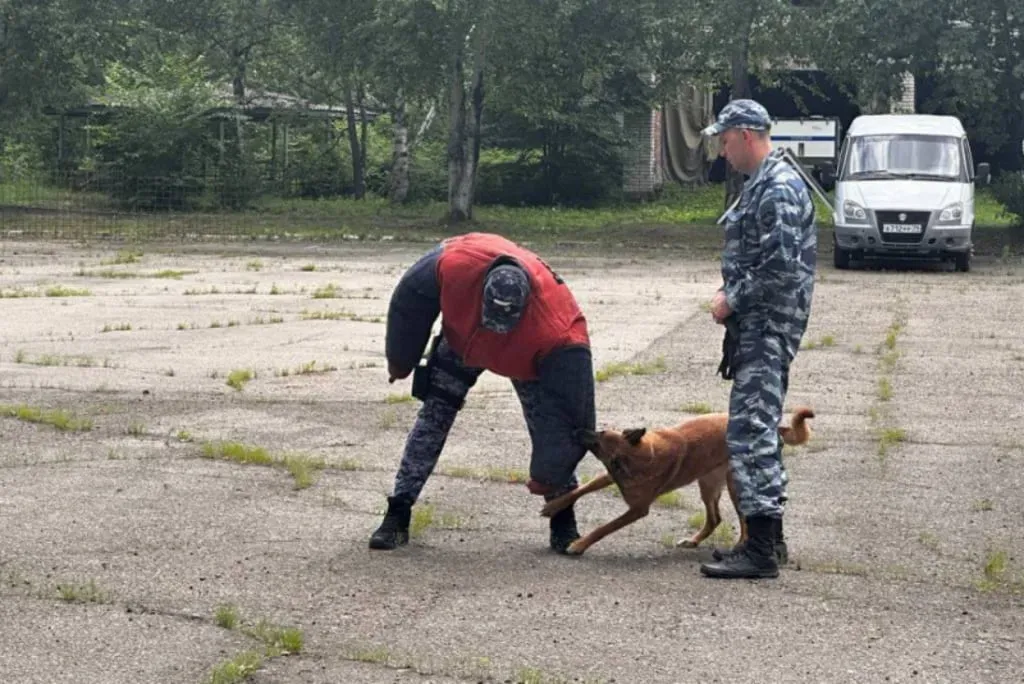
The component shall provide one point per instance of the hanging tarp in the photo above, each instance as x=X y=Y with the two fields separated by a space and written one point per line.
x=687 y=154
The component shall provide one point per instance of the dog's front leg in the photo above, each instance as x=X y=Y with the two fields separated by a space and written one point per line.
x=569 y=498
x=585 y=542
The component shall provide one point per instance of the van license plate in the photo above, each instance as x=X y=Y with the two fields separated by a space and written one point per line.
x=901 y=228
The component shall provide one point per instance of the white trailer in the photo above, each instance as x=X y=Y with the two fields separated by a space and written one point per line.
x=813 y=141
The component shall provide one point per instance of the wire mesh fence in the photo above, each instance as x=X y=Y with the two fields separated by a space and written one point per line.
x=98 y=205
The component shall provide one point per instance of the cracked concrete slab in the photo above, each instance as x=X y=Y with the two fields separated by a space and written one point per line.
x=905 y=562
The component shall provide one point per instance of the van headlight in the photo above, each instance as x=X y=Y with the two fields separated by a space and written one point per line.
x=854 y=213
x=954 y=213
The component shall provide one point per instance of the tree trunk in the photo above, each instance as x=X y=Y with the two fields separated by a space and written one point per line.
x=427 y=121
x=358 y=171
x=740 y=89
x=361 y=103
x=464 y=134
x=398 y=189
x=238 y=89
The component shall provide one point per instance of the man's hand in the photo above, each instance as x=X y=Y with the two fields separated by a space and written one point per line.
x=396 y=373
x=720 y=308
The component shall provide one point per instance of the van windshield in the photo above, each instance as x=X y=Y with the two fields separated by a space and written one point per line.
x=924 y=157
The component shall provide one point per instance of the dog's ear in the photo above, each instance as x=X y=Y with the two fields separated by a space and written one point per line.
x=634 y=436
x=585 y=437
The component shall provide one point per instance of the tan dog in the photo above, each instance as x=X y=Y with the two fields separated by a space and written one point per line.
x=646 y=465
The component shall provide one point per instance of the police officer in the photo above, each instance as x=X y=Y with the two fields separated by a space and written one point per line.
x=768 y=269
x=503 y=310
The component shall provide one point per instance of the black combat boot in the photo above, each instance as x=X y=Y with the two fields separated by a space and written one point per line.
x=563 y=529
x=394 y=529
x=755 y=560
x=781 y=552
x=722 y=554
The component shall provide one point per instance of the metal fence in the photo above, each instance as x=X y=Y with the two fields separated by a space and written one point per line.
x=107 y=205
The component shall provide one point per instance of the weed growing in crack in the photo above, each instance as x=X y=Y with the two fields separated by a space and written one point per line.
x=378 y=655
x=506 y=475
x=929 y=540
x=888 y=435
x=237 y=669
x=275 y=640
x=823 y=342
x=329 y=291
x=226 y=616
x=302 y=468
x=884 y=388
x=61 y=291
x=169 y=274
x=238 y=378
x=123 y=256
x=82 y=593
x=994 y=573
x=671 y=500
x=614 y=369
x=387 y=419
x=58 y=418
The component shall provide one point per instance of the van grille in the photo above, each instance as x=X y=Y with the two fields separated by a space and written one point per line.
x=902 y=218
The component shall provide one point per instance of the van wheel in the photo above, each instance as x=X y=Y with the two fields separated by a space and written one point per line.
x=962 y=261
x=841 y=258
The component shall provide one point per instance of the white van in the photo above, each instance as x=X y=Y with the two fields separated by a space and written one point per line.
x=904 y=186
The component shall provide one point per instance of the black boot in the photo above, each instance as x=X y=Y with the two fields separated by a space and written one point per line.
x=563 y=529
x=781 y=552
x=755 y=560
x=722 y=554
x=394 y=529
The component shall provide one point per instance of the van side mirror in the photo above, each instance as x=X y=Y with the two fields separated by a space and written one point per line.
x=984 y=174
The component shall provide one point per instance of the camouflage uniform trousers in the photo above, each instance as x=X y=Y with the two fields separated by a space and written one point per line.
x=554 y=405
x=758 y=394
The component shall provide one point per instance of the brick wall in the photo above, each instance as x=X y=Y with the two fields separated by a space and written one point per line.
x=642 y=172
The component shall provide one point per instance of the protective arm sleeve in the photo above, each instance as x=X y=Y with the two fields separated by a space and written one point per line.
x=415 y=305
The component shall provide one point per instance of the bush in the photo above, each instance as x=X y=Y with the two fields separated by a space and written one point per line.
x=1008 y=189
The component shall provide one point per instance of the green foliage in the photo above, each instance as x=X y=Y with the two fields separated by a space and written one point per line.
x=564 y=82
x=1008 y=190
x=159 y=129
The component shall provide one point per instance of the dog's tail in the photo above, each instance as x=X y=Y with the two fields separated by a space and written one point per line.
x=798 y=431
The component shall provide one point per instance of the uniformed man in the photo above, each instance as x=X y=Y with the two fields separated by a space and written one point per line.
x=503 y=310
x=768 y=269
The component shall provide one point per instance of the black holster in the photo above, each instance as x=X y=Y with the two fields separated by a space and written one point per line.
x=730 y=349
x=422 y=378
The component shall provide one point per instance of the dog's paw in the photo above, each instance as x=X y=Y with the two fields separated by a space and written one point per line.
x=686 y=544
x=575 y=549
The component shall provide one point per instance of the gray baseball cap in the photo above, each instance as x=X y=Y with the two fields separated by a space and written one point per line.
x=740 y=114
x=506 y=289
